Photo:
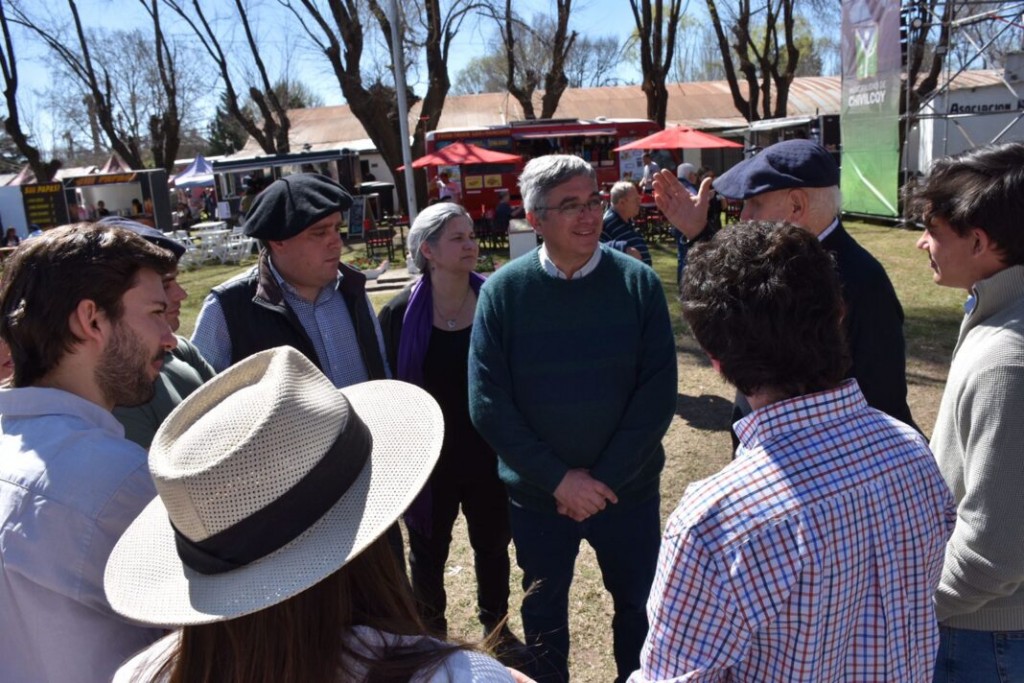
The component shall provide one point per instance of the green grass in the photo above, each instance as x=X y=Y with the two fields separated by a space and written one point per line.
x=697 y=443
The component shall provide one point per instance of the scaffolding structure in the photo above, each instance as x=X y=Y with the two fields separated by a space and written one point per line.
x=980 y=29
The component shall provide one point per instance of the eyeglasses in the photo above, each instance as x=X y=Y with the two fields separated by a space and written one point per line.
x=576 y=209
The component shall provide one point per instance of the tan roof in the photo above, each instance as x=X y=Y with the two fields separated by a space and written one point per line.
x=705 y=105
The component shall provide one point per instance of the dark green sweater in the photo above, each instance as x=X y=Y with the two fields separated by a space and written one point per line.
x=569 y=374
x=184 y=371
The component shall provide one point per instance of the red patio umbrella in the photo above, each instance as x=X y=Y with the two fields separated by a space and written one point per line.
x=464 y=154
x=679 y=137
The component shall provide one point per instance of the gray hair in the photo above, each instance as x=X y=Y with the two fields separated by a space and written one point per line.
x=620 y=190
x=686 y=170
x=835 y=198
x=428 y=226
x=545 y=173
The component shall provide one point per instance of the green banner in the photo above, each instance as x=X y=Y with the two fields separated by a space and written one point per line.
x=871 y=109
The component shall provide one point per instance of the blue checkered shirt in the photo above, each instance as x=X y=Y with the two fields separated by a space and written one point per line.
x=813 y=556
x=326 y=320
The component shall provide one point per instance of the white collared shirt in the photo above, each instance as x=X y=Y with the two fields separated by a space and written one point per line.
x=554 y=271
x=829 y=230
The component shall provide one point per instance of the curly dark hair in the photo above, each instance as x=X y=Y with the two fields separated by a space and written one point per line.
x=764 y=300
x=981 y=188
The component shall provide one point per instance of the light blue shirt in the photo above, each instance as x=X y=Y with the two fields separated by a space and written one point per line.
x=70 y=484
x=326 y=320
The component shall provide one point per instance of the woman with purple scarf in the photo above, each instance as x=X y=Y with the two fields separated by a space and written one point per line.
x=426 y=333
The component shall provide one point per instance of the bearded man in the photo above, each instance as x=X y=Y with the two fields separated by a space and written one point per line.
x=83 y=310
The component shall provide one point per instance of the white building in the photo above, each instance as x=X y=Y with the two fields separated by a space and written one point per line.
x=977 y=108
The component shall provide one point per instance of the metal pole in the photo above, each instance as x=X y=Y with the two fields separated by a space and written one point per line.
x=403 y=110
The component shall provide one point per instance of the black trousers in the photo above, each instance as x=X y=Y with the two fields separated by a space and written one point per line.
x=484 y=502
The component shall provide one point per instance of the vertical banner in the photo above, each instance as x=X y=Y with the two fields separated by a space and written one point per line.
x=871 y=108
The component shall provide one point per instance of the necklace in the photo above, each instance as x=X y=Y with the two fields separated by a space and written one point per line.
x=450 y=320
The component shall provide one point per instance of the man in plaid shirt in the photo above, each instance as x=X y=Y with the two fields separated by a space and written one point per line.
x=814 y=555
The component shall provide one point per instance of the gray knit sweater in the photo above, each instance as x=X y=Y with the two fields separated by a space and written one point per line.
x=979 y=445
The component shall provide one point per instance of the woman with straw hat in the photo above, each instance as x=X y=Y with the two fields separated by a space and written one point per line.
x=265 y=544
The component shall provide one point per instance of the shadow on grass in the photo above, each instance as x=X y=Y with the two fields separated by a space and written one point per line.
x=931 y=332
x=706 y=412
x=923 y=380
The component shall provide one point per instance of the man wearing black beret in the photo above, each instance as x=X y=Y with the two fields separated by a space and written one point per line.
x=298 y=294
x=797 y=181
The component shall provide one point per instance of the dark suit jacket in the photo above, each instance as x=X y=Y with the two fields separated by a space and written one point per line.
x=874 y=326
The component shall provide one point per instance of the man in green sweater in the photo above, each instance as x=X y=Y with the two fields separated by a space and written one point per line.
x=572 y=381
x=184 y=369
x=971 y=206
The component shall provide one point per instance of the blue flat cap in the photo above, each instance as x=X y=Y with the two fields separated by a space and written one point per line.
x=784 y=165
x=291 y=204
x=149 y=234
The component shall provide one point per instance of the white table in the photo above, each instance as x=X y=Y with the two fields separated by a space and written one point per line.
x=212 y=243
x=209 y=225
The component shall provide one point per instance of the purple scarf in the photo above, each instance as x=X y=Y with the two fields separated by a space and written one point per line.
x=417 y=324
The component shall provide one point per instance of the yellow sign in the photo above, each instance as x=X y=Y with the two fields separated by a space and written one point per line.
x=46 y=188
x=492 y=180
x=107 y=179
x=473 y=182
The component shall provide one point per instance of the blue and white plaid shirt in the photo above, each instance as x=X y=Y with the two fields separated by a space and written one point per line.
x=813 y=556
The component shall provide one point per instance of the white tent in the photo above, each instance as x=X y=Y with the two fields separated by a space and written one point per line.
x=199 y=173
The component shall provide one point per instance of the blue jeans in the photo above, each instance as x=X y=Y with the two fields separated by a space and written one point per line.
x=682 y=248
x=979 y=656
x=626 y=542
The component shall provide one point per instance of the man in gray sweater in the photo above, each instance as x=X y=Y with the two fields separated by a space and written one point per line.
x=971 y=206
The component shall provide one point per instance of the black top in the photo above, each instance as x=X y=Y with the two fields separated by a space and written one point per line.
x=446 y=378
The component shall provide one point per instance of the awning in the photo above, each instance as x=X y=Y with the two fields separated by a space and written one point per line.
x=774 y=124
x=243 y=165
x=581 y=133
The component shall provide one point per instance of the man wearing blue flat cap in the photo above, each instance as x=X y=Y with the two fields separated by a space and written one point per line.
x=298 y=294
x=797 y=181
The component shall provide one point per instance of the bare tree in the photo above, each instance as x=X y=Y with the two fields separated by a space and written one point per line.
x=485 y=73
x=697 y=57
x=928 y=43
x=340 y=33
x=767 y=57
x=128 y=130
x=819 y=51
x=165 y=124
x=984 y=41
x=43 y=170
x=656 y=35
x=524 y=74
x=269 y=124
x=592 y=62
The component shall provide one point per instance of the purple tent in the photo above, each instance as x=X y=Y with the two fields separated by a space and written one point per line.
x=198 y=174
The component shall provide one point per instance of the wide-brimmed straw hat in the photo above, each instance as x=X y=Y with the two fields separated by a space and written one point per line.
x=270 y=480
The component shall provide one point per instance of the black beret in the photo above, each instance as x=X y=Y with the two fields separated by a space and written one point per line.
x=291 y=204
x=784 y=165
x=149 y=234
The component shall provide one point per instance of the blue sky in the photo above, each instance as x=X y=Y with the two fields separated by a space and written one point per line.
x=590 y=17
